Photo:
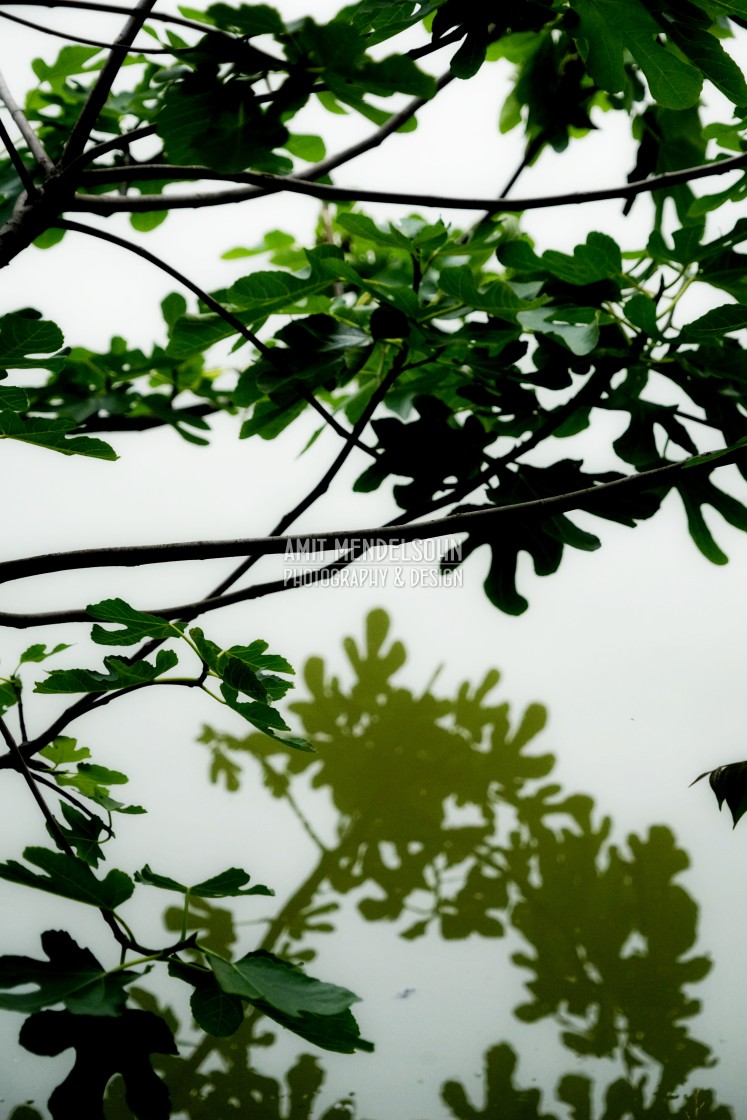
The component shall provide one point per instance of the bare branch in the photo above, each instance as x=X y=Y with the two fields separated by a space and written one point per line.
x=70 y=38
x=25 y=129
x=296 y=185
x=490 y=519
x=96 y=99
x=326 y=481
x=116 y=9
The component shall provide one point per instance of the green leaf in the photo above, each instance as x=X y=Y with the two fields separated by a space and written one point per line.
x=93 y=781
x=64 y=750
x=9 y=694
x=122 y=673
x=83 y=833
x=607 y=28
x=228 y=884
x=148 y=220
x=69 y=877
x=52 y=434
x=137 y=624
x=306 y=147
x=265 y=719
x=498 y=297
x=216 y=1012
x=22 y=335
x=578 y=329
x=71 y=976
x=262 y=976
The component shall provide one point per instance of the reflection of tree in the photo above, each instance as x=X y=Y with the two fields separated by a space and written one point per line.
x=444 y=820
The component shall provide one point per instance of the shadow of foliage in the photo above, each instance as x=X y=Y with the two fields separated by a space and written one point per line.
x=445 y=819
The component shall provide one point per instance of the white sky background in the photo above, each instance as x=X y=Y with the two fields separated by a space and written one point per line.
x=637 y=650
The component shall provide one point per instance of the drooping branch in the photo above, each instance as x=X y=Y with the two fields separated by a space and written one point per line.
x=115 y=9
x=69 y=37
x=96 y=204
x=492 y=518
x=228 y=317
x=21 y=121
x=101 y=88
x=16 y=160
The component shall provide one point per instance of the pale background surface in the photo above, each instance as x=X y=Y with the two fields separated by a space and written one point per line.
x=636 y=650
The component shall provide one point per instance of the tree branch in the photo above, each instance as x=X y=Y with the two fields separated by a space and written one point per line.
x=16 y=761
x=490 y=519
x=116 y=9
x=267 y=352
x=96 y=204
x=70 y=38
x=101 y=88
x=25 y=129
x=15 y=159
x=325 y=482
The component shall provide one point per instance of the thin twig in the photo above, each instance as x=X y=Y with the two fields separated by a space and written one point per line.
x=15 y=159
x=116 y=9
x=326 y=481
x=296 y=185
x=70 y=38
x=25 y=129
x=73 y=800
x=488 y=519
x=274 y=357
x=101 y=88
x=18 y=762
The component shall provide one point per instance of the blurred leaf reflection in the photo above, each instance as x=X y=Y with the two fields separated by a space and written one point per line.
x=444 y=820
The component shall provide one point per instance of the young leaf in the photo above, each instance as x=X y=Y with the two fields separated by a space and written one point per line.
x=228 y=884
x=70 y=877
x=53 y=434
x=122 y=674
x=93 y=781
x=83 y=833
x=311 y=1008
x=64 y=750
x=215 y=1011
x=137 y=625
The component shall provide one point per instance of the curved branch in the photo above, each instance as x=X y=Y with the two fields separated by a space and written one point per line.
x=326 y=480
x=116 y=9
x=228 y=317
x=70 y=38
x=205 y=297
x=96 y=204
x=18 y=164
x=490 y=518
